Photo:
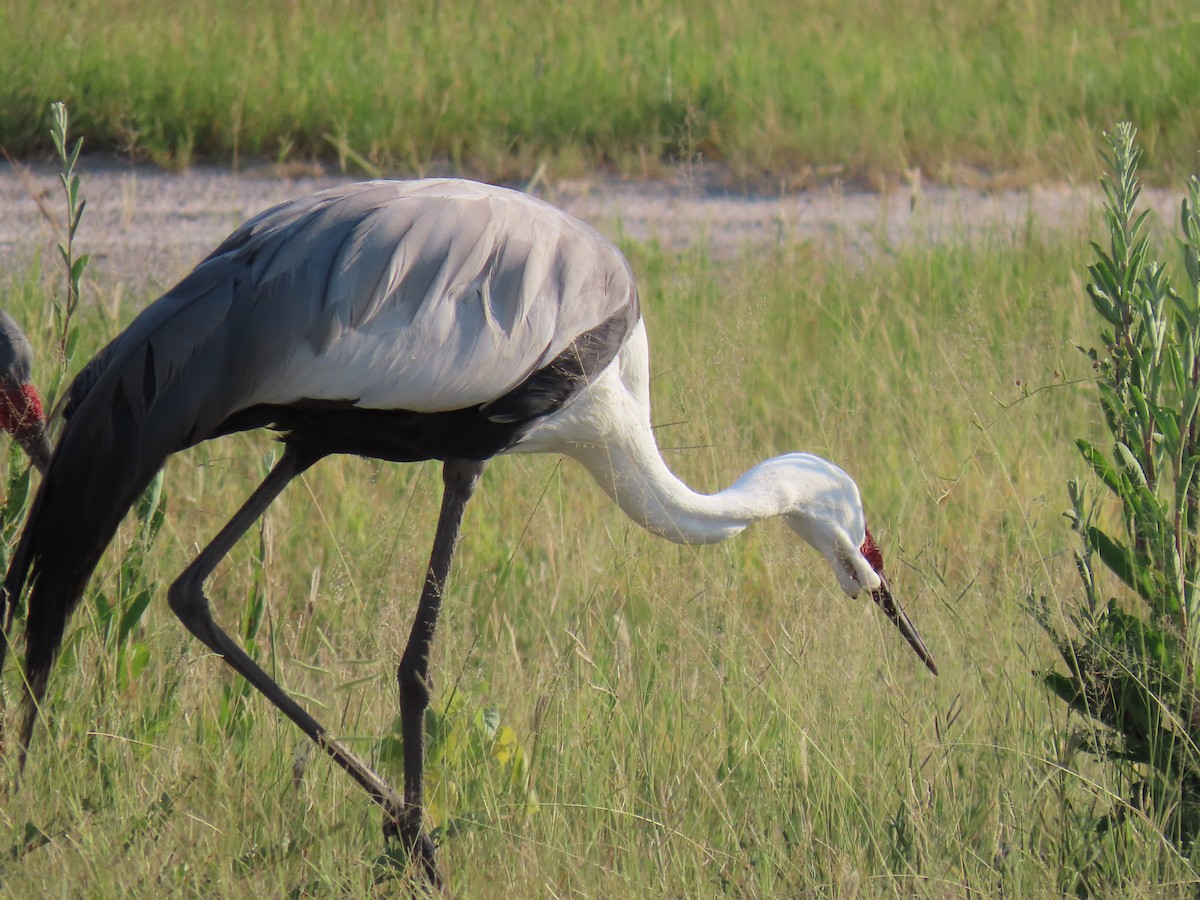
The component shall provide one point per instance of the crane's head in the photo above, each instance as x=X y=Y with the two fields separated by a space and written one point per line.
x=824 y=508
x=21 y=413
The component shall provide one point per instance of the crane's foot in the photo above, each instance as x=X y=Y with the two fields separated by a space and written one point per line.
x=418 y=847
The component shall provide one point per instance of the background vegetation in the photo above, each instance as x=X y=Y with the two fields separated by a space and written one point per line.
x=860 y=89
x=618 y=716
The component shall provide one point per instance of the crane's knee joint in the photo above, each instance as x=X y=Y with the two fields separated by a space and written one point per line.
x=187 y=600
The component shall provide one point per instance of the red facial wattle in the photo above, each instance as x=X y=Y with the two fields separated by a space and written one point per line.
x=21 y=412
x=871 y=553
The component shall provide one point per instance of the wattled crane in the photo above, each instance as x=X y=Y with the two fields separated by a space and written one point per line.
x=436 y=319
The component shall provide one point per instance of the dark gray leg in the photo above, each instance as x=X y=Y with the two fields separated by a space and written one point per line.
x=460 y=478
x=191 y=606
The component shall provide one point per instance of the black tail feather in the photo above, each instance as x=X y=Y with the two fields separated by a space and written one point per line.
x=92 y=482
x=141 y=399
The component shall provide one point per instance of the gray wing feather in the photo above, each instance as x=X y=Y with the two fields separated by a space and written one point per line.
x=425 y=296
x=428 y=296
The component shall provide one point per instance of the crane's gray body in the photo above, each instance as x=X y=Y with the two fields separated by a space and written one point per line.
x=16 y=356
x=403 y=320
x=425 y=297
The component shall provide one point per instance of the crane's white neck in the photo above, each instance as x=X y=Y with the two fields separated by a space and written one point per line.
x=634 y=475
x=607 y=428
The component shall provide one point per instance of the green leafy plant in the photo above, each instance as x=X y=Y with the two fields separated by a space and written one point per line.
x=469 y=757
x=68 y=156
x=1131 y=659
x=12 y=504
x=17 y=493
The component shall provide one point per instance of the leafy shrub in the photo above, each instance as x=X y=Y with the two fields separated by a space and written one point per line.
x=1131 y=660
x=473 y=764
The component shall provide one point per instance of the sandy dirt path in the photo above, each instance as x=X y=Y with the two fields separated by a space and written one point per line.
x=145 y=228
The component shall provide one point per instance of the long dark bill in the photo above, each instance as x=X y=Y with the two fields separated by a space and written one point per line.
x=883 y=597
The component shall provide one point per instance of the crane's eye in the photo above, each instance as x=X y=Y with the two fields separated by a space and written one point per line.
x=848 y=568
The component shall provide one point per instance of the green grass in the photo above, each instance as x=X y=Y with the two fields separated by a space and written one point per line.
x=701 y=721
x=779 y=91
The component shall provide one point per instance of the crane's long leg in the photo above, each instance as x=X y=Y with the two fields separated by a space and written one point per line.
x=460 y=478
x=191 y=606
